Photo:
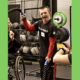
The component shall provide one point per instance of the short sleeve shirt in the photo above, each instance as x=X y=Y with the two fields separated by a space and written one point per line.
x=45 y=31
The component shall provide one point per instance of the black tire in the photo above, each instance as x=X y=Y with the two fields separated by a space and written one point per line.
x=19 y=68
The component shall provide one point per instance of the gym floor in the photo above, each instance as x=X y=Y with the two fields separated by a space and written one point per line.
x=32 y=72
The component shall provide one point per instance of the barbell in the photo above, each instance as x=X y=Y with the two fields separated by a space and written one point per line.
x=59 y=19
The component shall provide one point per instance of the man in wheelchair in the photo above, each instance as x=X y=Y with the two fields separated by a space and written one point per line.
x=13 y=41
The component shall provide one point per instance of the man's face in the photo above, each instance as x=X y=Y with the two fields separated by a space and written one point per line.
x=45 y=15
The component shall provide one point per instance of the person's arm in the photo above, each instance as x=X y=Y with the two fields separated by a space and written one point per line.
x=52 y=41
x=60 y=58
x=29 y=27
x=12 y=39
x=13 y=43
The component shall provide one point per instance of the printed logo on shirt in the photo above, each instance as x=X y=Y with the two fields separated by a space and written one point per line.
x=42 y=34
x=44 y=30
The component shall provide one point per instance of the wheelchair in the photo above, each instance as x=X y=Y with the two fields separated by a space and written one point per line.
x=16 y=69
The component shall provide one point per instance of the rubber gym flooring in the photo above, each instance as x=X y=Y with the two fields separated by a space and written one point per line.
x=32 y=72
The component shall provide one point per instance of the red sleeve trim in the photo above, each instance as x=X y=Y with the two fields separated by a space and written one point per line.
x=51 y=46
x=29 y=27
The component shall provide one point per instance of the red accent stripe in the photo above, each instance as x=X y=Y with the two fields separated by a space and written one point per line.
x=29 y=27
x=51 y=46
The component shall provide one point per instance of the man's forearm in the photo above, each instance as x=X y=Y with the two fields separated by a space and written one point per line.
x=29 y=27
x=51 y=46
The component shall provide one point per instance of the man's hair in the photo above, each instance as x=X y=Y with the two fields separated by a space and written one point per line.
x=45 y=7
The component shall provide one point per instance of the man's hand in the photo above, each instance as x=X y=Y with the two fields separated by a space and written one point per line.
x=67 y=50
x=23 y=17
x=48 y=59
x=11 y=35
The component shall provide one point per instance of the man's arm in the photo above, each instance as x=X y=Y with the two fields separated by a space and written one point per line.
x=29 y=27
x=52 y=41
x=60 y=58
x=12 y=39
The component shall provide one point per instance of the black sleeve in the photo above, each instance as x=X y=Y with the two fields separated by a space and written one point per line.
x=13 y=45
x=70 y=58
x=52 y=31
x=36 y=24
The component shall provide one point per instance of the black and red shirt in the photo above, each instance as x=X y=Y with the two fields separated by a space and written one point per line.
x=47 y=37
x=45 y=31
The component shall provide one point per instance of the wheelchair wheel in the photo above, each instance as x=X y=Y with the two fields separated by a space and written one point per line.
x=19 y=68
